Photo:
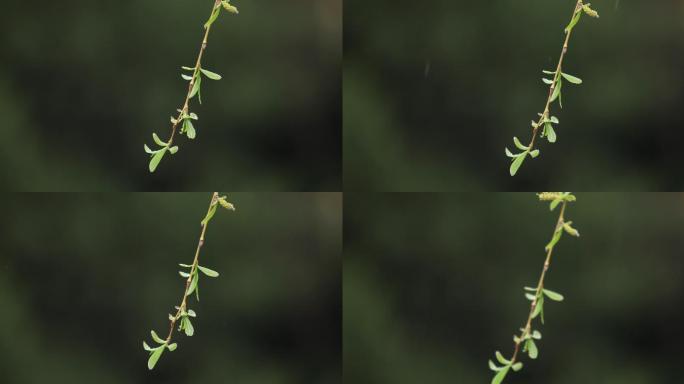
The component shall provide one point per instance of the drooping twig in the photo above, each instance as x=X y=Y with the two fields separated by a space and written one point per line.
x=183 y=314
x=185 y=117
x=545 y=120
x=525 y=341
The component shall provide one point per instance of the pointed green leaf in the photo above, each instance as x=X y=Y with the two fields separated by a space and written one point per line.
x=500 y=376
x=555 y=296
x=574 y=21
x=173 y=150
x=547 y=81
x=186 y=265
x=532 y=350
x=210 y=74
x=195 y=87
x=549 y=72
x=493 y=366
x=517 y=366
x=154 y=357
x=213 y=17
x=550 y=132
x=538 y=307
x=189 y=329
x=534 y=153
x=556 y=90
x=156 y=337
x=193 y=285
x=189 y=129
x=184 y=274
x=517 y=163
x=188 y=68
x=154 y=162
x=191 y=313
x=210 y=214
x=186 y=77
x=501 y=359
x=571 y=78
x=519 y=145
x=207 y=271
x=158 y=140
x=146 y=347
x=172 y=347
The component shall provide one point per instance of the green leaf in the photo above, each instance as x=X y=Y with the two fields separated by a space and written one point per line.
x=189 y=129
x=556 y=236
x=530 y=296
x=195 y=87
x=158 y=140
x=493 y=367
x=186 y=265
x=184 y=274
x=172 y=347
x=517 y=366
x=536 y=335
x=518 y=144
x=156 y=337
x=574 y=21
x=207 y=271
x=173 y=150
x=550 y=132
x=555 y=296
x=188 y=68
x=554 y=120
x=154 y=162
x=210 y=74
x=500 y=375
x=501 y=359
x=154 y=357
x=532 y=350
x=547 y=81
x=209 y=215
x=193 y=116
x=189 y=329
x=510 y=154
x=213 y=17
x=556 y=90
x=534 y=153
x=517 y=163
x=186 y=77
x=530 y=289
x=549 y=72
x=146 y=347
x=193 y=285
x=571 y=78
x=191 y=313
x=538 y=308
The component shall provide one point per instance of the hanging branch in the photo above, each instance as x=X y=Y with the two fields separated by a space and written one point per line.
x=546 y=121
x=185 y=117
x=537 y=295
x=183 y=313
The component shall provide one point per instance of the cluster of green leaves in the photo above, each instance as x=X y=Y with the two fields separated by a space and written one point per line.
x=529 y=337
x=194 y=77
x=191 y=275
x=555 y=83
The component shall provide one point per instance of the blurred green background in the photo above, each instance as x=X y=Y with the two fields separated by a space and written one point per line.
x=433 y=286
x=84 y=277
x=434 y=91
x=83 y=84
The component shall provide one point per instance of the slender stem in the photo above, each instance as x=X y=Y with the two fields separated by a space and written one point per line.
x=182 y=306
x=540 y=286
x=195 y=76
x=535 y=129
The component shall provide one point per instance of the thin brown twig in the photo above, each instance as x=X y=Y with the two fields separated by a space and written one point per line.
x=535 y=128
x=195 y=76
x=182 y=306
x=540 y=286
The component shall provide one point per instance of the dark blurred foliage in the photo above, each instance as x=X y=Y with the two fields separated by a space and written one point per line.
x=83 y=84
x=434 y=91
x=84 y=277
x=433 y=285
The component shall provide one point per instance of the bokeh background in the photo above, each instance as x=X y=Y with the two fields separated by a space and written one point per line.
x=433 y=286
x=83 y=84
x=84 y=277
x=434 y=91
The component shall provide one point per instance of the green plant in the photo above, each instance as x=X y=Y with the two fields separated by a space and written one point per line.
x=526 y=340
x=194 y=77
x=546 y=121
x=183 y=313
